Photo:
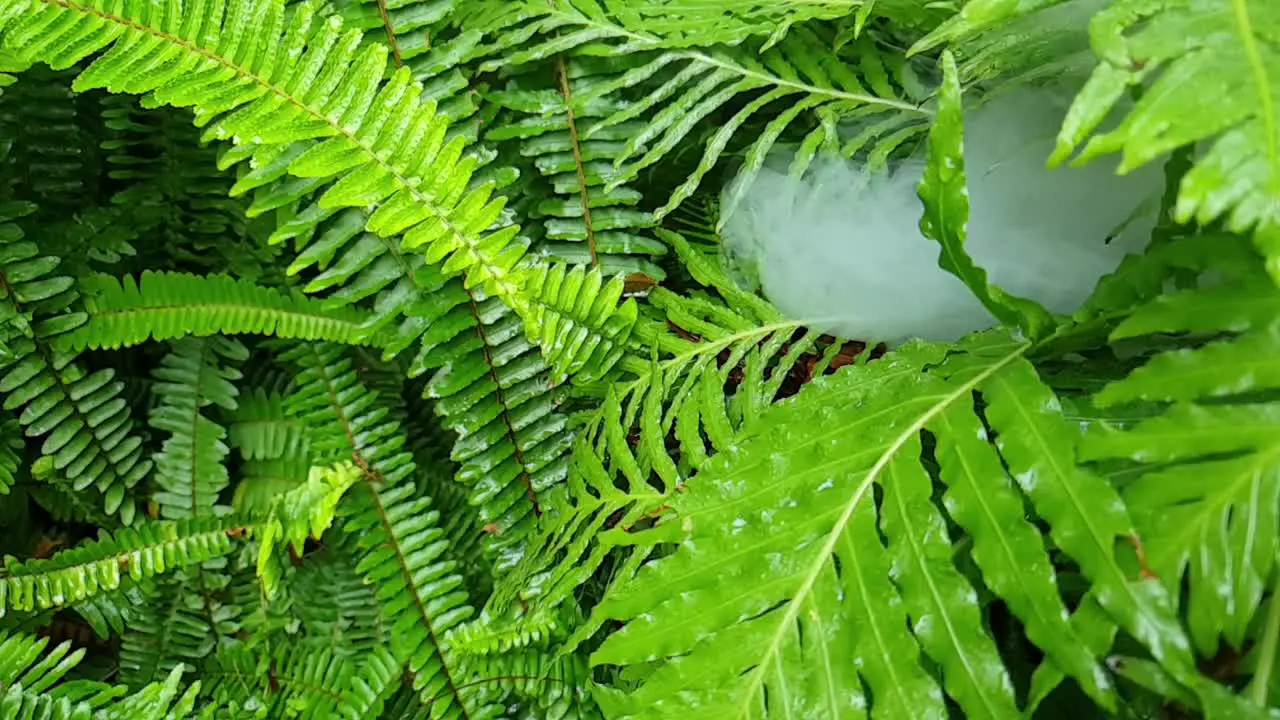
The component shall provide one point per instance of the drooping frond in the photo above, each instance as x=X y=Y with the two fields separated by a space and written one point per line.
x=86 y=425
x=164 y=306
x=29 y=670
x=98 y=566
x=190 y=469
x=165 y=698
x=304 y=512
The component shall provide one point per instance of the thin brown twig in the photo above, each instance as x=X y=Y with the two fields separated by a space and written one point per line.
x=391 y=33
x=577 y=159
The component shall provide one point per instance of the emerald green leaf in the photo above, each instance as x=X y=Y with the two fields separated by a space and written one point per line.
x=1086 y=516
x=946 y=212
x=1007 y=548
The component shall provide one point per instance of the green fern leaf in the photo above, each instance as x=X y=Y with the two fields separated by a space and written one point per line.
x=190 y=469
x=1209 y=424
x=88 y=438
x=890 y=402
x=11 y=446
x=305 y=511
x=302 y=683
x=163 y=306
x=84 y=571
x=1008 y=549
x=261 y=430
x=795 y=595
x=32 y=676
x=574 y=315
x=170 y=628
x=1218 y=86
x=397 y=532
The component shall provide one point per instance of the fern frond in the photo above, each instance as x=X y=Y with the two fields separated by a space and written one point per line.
x=1204 y=459
x=342 y=612
x=575 y=316
x=421 y=190
x=799 y=75
x=581 y=222
x=86 y=425
x=333 y=130
x=173 y=206
x=305 y=511
x=53 y=159
x=492 y=388
x=190 y=469
x=170 y=628
x=768 y=489
x=11 y=446
x=163 y=306
x=31 y=675
x=261 y=430
x=1218 y=87
x=139 y=552
x=701 y=23
x=164 y=698
x=397 y=532
x=301 y=683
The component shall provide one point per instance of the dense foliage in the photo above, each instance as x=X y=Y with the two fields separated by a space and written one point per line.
x=376 y=359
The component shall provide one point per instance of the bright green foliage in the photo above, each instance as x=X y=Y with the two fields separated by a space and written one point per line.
x=1218 y=85
x=379 y=362
x=1204 y=492
x=575 y=317
x=305 y=511
x=745 y=658
x=99 y=566
x=164 y=306
x=27 y=673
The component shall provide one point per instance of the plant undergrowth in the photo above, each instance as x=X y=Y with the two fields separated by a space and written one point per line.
x=379 y=360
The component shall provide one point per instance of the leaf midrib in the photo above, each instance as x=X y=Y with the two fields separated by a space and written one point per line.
x=756 y=679
x=495 y=273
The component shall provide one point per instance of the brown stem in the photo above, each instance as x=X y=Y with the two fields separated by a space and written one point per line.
x=391 y=33
x=577 y=159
